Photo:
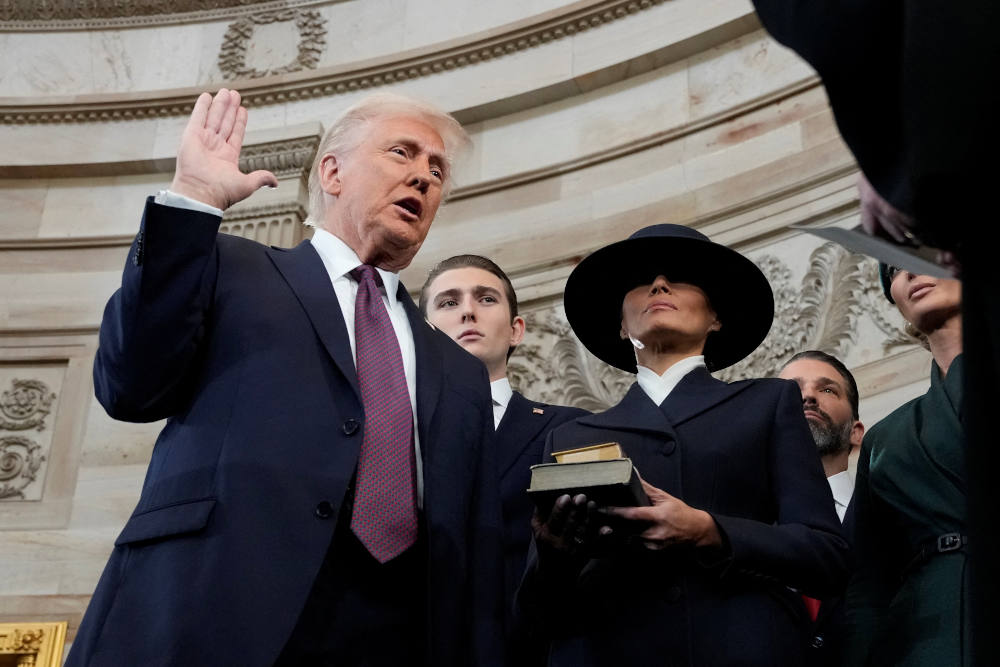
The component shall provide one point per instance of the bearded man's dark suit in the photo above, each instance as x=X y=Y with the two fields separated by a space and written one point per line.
x=520 y=442
x=743 y=453
x=244 y=350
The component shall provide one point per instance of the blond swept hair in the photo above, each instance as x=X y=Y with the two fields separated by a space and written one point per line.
x=346 y=133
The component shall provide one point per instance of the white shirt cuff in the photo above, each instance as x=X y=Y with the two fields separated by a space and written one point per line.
x=168 y=198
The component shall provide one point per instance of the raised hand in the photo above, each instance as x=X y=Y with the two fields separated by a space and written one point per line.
x=670 y=521
x=208 y=157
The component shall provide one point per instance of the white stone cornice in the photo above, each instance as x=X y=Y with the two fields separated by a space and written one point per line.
x=489 y=45
x=33 y=16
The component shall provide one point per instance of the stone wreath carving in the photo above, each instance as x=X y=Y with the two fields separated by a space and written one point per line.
x=312 y=41
x=821 y=312
x=20 y=459
x=25 y=405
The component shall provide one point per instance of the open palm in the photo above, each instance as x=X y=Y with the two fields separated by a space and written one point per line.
x=208 y=157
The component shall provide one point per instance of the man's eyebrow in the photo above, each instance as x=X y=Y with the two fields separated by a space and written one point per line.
x=415 y=146
x=825 y=380
x=482 y=289
x=453 y=292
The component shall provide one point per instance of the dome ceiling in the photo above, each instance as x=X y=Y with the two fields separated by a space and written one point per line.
x=62 y=14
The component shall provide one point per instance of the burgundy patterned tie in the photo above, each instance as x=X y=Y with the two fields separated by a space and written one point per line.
x=385 y=508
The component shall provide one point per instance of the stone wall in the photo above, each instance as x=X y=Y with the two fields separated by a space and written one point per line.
x=590 y=119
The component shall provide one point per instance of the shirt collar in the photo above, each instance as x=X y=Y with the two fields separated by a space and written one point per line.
x=501 y=391
x=842 y=487
x=339 y=260
x=658 y=387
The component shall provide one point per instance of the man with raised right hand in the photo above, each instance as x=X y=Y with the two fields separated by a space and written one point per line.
x=323 y=492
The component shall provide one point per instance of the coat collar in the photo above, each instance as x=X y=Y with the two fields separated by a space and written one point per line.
x=304 y=272
x=430 y=366
x=520 y=425
x=696 y=393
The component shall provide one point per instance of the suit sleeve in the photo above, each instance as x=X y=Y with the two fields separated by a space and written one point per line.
x=155 y=322
x=803 y=547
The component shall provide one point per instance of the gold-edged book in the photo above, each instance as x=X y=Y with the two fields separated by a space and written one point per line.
x=601 y=452
x=600 y=472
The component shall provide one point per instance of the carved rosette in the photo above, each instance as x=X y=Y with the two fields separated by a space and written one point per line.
x=25 y=405
x=312 y=40
x=823 y=311
x=20 y=460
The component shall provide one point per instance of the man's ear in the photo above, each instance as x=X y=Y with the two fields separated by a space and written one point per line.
x=857 y=434
x=329 y=174
x=517 y=326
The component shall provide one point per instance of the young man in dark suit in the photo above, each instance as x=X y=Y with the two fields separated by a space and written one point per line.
x=472 y=300
x=324 y=489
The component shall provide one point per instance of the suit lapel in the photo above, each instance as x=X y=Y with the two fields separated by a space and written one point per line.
x=304 y=272
x=695 y=393
x=429 y=367
x=518 y=428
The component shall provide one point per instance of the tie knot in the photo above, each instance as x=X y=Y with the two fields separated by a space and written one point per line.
x=366 y=272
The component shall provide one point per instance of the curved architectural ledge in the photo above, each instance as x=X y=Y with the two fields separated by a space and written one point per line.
x=33 y=16
x=318 y=83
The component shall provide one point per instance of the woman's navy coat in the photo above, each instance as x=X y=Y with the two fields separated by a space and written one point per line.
x=742 y=452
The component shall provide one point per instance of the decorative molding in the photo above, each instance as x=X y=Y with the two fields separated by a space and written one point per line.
x=823 y=311
x=20 y=460
x=233 y=52
x=277 y=224
x=287 y=157
x=333 y=81
x=52 y=15
x=32 y=644
x=25 y=405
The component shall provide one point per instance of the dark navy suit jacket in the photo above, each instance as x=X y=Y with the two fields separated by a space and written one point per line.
x=520 y=442
x=743 y=453
x=245 y=351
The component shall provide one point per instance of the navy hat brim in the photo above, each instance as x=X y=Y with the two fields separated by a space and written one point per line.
x=737 y=291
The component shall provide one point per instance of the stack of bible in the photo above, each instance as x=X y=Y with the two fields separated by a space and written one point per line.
x=600 y=472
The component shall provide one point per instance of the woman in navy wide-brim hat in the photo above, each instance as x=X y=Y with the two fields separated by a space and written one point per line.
x=742 y=521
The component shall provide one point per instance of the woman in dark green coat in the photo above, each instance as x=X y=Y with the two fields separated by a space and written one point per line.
x=908 y=601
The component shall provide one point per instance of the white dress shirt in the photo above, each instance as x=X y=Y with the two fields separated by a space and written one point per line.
x=339 y=260
x=502 y=393
x=658 y=387
x=843 y=488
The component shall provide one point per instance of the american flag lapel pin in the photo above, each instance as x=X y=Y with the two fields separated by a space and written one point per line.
x=538 y=411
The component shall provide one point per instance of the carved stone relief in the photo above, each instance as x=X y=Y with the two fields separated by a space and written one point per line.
x=282 y=158
x=822 y=311
x=26 y=405
x=277 y=225
x=20 y=459
x=335 y=82
x=312 y=41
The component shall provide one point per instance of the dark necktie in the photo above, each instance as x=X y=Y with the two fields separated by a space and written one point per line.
x=385 y=508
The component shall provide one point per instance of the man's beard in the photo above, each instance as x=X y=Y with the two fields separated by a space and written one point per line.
x=830 y=438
